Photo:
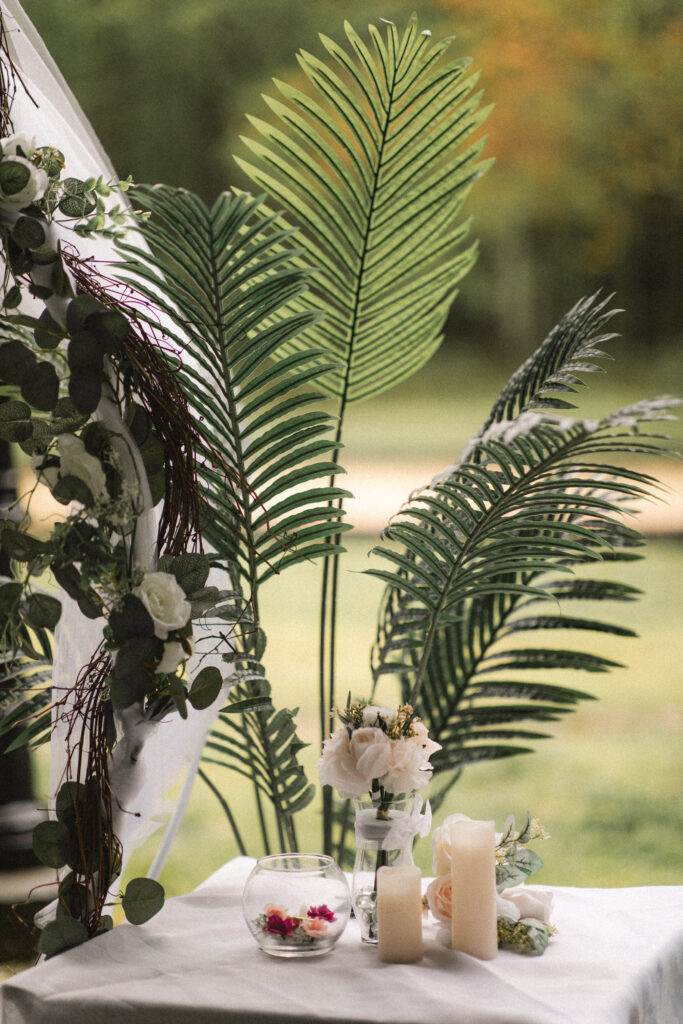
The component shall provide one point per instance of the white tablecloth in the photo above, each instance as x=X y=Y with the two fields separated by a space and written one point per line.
x=617 y=959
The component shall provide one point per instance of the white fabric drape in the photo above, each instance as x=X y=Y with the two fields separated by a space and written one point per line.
x=150 y=757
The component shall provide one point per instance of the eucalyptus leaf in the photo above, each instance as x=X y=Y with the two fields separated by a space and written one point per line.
x=142 y=899
x=131 y=619
x=62 y=933
x=41 y=389
x=206 y=686
x=43 y=610
x=17 y=362
x=72 y=488
x=47 y=333
x=28 y=233
x=52 y=843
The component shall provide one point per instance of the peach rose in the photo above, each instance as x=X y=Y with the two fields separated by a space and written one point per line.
x=314 y=927
x=439 y=895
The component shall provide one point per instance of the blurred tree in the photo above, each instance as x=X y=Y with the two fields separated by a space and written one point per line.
x=586 y=130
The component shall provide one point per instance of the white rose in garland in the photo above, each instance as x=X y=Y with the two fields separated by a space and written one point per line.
x=21 y=183
x=165 y=600
x=171 y=658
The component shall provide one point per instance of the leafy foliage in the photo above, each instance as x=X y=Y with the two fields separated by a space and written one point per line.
x=372 y=167
x=221 y=278
x=474 y=554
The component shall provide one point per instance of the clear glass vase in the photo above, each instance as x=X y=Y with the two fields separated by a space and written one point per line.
x=385 y=831
x=296 y=904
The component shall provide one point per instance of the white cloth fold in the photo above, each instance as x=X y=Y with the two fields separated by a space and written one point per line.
x=617 y=959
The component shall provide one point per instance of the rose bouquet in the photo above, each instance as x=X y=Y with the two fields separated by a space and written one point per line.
x=380 y=758
x=379 y=751
x=523 y=914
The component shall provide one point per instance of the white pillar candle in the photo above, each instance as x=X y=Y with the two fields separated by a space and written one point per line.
x=473 y=878
x=399 y=914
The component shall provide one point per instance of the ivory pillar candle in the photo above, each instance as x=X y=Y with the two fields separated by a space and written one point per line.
x=473 y=878
x=399 y=914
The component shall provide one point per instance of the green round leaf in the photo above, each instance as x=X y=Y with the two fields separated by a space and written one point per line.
x=79 y=310
x=28 y=233
x=191 y=571
x=77 y=206
x=70 y=794
x=130 y=620
x=205 y=688
x=17 y=363
x=10 y=596
x=14 y=176
x=111 y=328
x=43 y=611
x=52 y=843
x=15 y=421
x=63 y=933
x=44 y=255
x=142 y=899
x=13 y=297
x=48 y=334
x=22 y=546
x=42 y=388
x=72 y=488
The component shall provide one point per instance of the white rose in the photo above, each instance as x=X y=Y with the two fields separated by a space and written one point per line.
x=371 y=750
x=337 y=767
x=408 y=767
x=76 y=461
x=528 y=902
x=32 y=190
x=171 y=658
x=440 y=896
x=373 y=712
x=421 y=737
x=20 y=140
x=441 y=843
x=165 y=600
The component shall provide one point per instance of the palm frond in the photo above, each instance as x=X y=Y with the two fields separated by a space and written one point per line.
x=221 y=279
x=484 y=544
x=373 y=166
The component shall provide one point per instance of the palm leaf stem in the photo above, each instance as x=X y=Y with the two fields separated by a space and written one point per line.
x=226 y=810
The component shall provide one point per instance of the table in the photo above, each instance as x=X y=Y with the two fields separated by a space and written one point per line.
x=617 y=959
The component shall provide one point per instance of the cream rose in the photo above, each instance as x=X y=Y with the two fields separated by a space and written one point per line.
x=439 y=896
x=441 y=843
x=371 y=750
x=408 y=769
x=165 y=600
x=171 y=658
x=19 y=141
x=34 y=182
x=527 y=902
x=76 y=461
x=337 y=767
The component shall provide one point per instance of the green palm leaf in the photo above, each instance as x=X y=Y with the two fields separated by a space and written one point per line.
x=482 y=545
x=220 y=279
x=373 y=166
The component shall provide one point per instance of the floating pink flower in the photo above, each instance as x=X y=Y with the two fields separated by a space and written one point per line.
x=283 y=926
x=322 y=911
x=272 y=910
x=314 y=927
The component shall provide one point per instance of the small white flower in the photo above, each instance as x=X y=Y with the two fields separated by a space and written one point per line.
x=337 y=767
x=165 y=600
x=33 y=189
x=409 y=769
x=171 y=658
x=76 y=461
x=19 y=141
x=371 y=750
x=530 y=901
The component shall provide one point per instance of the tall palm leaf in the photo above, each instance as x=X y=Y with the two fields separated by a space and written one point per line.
x=373 y=165
x=484 y=544
x=220 y=278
